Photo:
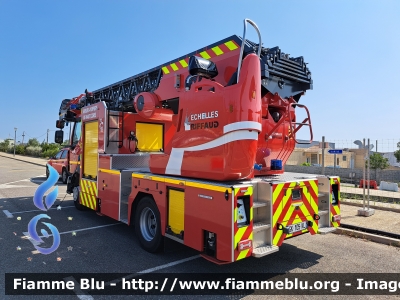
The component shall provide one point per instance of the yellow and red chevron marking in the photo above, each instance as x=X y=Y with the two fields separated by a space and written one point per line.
x=335 y=209
x=88 y=193
x=207 y=54
x=287 y=214
x=245 y=232
x=244 y=191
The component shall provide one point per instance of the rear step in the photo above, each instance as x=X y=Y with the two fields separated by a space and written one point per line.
x=264 y=250
x=260 y=226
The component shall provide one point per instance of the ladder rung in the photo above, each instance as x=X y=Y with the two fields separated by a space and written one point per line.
x=305 y=124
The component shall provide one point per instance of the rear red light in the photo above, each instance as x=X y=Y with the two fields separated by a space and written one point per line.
x=336 y=218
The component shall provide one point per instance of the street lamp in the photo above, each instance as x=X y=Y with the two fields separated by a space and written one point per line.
x=15 y=138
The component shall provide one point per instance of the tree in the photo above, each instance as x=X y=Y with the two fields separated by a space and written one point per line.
x=397 y=152
x=377 y=161
x=5 y=145
x=33 y=142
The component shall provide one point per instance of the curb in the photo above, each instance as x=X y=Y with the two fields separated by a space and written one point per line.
x=368 y=236
x=397 y=210
x=29 y=162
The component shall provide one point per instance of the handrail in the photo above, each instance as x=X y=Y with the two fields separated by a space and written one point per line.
x=244 y=40
x=293 y=130
x=306 y=122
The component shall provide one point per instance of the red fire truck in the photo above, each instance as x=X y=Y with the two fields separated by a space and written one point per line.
x=194 y=151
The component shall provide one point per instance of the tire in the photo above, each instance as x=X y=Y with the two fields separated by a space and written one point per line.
x=47 y=172
x=148 y=225
x=64 y=176
x=75 y=196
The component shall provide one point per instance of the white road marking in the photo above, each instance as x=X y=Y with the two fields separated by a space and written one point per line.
x=10 y=186
x=27 y=236
x=76 y=230
x=89 y=228
x=21 y=212
x=17 y=181
x=174 y=263
x=7 y=186
x=8 y=214
x=27 y=179
x=79 y=293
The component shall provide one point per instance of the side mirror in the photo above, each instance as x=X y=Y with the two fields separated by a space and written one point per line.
x=59 y=137
x=60 y=124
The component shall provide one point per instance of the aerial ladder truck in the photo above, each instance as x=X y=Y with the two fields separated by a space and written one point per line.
x=194 y=151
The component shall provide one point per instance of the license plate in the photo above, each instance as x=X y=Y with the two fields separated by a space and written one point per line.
x=297 y=227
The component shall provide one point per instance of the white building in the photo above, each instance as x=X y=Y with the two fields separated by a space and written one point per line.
x=391 y=158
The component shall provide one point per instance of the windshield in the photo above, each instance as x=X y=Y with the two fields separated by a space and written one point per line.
x=77 y=133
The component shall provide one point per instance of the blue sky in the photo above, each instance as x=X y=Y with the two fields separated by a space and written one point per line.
x=51 y=50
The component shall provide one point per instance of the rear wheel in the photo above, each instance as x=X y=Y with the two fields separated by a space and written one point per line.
x=64 y=176
x=75 y=195
x=148 y=225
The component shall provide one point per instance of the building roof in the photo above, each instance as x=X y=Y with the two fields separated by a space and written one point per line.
x=313 y=143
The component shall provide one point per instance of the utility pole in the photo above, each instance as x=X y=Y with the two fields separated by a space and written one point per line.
x=366 y=211
x=47 y=140
x=368 y=170
x=376 y=150
x=365 y=158
x=23 y=136
x=323 y=155
x=334 y=162
x=15 y=138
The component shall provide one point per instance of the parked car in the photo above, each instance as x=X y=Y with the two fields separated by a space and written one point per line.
x=60 y=163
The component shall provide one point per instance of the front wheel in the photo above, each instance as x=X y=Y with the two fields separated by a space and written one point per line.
x=75 y=195
x=64 y=176
x=148 y=225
